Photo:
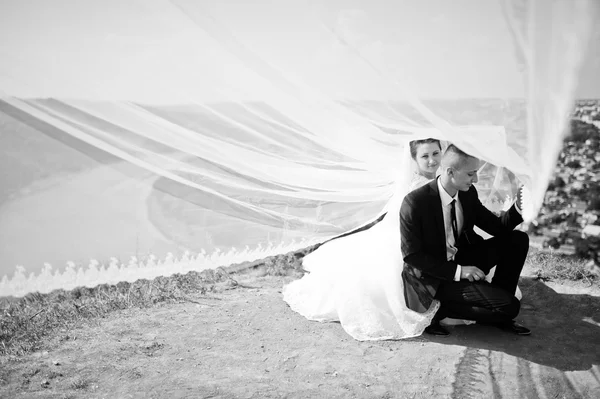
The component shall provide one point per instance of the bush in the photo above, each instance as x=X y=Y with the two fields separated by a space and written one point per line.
x=557 y=182
x=580 y=131
x=594 y=204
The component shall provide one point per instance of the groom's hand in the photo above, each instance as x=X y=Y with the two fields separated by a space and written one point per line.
x=471 y=273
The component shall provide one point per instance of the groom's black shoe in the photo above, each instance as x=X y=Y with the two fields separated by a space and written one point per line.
x=436 y=328
x=510 y=326
x=515 y=328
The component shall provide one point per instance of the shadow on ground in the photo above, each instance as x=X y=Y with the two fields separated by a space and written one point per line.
x=560 y=359
x=565 y=330
x=247 y=343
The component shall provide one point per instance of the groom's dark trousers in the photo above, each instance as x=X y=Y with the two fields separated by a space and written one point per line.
x=482 y=301
x=429 y=275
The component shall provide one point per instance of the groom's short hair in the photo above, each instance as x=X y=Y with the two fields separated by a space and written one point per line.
x=454 y=157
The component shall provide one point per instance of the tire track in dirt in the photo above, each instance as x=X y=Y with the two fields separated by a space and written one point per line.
x=470 y=376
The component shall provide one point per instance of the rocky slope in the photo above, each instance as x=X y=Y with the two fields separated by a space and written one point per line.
x=570 y=217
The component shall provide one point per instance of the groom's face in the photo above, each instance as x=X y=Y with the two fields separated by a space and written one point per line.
x=465 y=176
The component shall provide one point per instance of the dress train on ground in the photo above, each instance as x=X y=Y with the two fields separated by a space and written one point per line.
x=357 y=280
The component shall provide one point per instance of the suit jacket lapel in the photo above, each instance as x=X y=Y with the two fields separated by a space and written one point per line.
x=438 y=214
x=464 y=202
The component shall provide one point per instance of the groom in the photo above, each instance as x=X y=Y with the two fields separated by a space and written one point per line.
x=445 y=259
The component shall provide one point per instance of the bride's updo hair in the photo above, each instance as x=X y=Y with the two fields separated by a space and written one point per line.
x=414 y=145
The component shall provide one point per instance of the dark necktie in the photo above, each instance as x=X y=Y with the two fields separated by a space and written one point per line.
x=454 y=222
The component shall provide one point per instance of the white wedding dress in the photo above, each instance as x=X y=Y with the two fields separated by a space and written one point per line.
x=357 y=280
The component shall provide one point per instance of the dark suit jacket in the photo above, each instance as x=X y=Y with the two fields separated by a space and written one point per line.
x=424 y=239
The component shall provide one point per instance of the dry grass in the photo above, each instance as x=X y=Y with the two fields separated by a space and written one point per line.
x=24 y=322
x=283 y=265
x=557 y=267
x=80 y=383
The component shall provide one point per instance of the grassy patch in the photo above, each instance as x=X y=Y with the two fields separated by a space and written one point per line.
x=553 y=266
x=24 y=322
x=282 y=265
x=79 y=383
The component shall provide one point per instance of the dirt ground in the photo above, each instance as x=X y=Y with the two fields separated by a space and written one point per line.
x=246 y=343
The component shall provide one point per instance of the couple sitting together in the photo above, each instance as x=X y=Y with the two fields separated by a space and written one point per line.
x=421 y=266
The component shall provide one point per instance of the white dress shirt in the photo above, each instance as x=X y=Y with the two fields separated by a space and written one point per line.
x=451 y=249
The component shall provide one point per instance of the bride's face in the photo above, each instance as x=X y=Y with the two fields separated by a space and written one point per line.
x=428 y=159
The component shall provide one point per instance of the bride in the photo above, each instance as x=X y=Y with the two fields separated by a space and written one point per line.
x=356 y=279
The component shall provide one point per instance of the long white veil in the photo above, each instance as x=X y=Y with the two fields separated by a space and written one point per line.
x=145 y=138
x=357 y=279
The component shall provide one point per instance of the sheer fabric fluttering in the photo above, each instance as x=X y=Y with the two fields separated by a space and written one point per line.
x=357 y=280
x=149 y=138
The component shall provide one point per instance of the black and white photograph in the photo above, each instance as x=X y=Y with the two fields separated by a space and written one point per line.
x=300 y=199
